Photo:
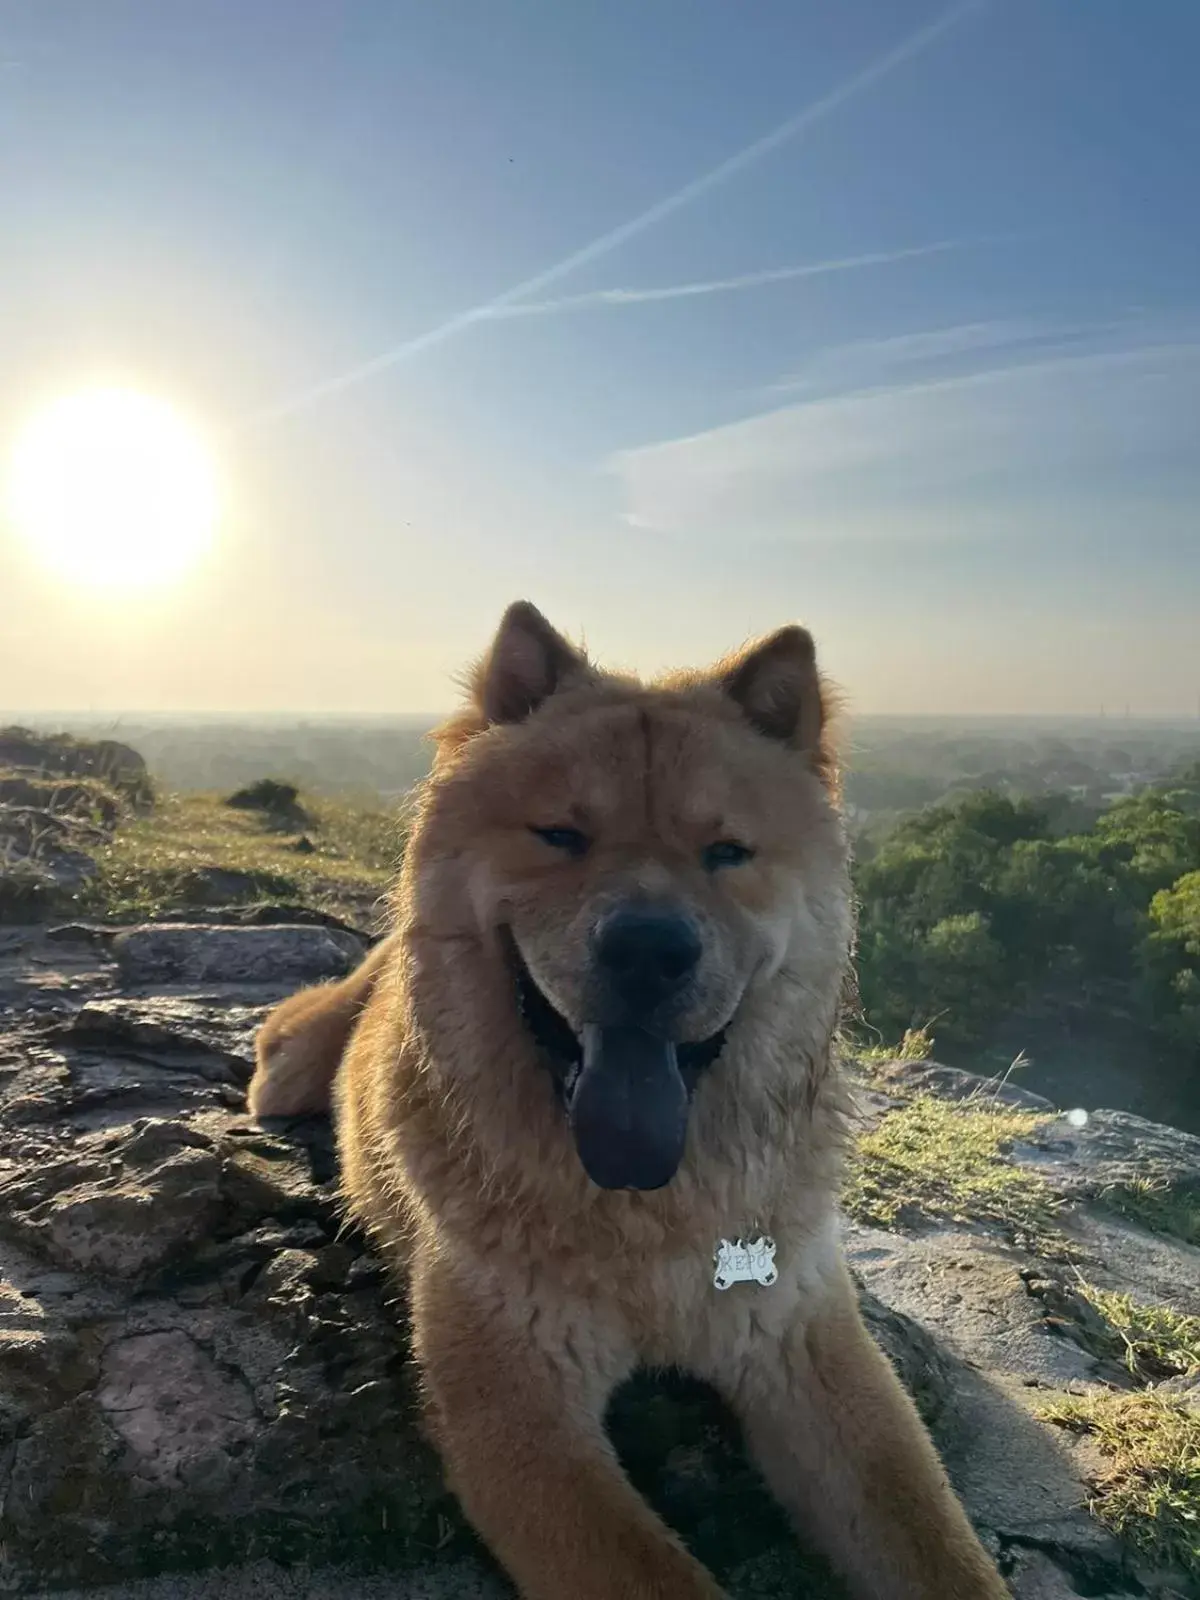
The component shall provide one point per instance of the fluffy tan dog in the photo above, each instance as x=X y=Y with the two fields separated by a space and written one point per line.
x=597 y=1044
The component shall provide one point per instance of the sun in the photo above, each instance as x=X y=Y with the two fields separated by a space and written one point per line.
x=113 y=488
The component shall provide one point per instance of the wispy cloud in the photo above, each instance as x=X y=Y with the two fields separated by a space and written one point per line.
x=598 y=299
x=923 y=457
x=604 y=244
x=934 y=351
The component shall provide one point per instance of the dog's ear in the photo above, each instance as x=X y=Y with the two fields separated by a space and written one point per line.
x=528 y=661
x=777 y=685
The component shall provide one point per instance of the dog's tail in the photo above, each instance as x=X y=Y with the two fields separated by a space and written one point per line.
x=299 y=1046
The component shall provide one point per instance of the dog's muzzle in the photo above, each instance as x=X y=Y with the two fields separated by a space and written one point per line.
x=626 y=1089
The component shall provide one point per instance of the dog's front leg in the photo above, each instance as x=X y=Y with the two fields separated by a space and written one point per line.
x=841 y=1445
x=517 y=1392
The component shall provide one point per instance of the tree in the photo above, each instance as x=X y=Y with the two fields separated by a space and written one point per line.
x=1171 y=958
x=982 y=904
x=960 y=974
x=928 y=897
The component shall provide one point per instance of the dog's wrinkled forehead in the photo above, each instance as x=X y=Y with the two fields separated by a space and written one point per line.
x=546 y=732
x=639 y=769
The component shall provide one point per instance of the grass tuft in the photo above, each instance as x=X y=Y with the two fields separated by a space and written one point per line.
x=1155 y=1203
x=947 y=1160
x=916 y=1045
x=1154 y=1341
x=1149 y=1491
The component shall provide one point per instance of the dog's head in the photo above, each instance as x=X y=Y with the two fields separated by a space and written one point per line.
x=648 y=861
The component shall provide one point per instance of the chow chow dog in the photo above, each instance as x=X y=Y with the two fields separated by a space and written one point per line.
x=587 y=1101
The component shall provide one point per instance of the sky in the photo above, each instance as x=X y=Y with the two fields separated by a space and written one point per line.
x=682 y=318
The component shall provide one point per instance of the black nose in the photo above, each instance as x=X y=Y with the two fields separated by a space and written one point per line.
x=647 y=953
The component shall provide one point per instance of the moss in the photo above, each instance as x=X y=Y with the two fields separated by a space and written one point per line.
x=192 y=849
x=947 y=1160
x=1157 y=1204
x=1148 y=1490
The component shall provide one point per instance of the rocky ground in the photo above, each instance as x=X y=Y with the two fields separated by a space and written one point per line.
x=60 y=800
x=205 y=1387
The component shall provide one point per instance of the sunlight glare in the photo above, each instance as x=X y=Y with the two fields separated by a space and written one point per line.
x=113 y=488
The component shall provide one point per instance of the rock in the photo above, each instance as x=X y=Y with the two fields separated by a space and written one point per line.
x=1111 y=1149
x=183 y=953
x=44 y=860
x=93 y=801
x=50 y=825
x=179 y=1414
x=442 y=1578
x=974 y=1301
x=266 y=913
x=202 y=1370
x=952 y=1083
x=919 y=1362
x=267 y=794
x=64 y=756
x=29 y=889
x=259 y=914
x=49 y=844
x=219 y=886
x=119 y=1204
x=276 y=801
x=164 y=1030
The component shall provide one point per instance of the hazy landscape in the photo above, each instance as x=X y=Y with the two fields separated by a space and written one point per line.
x=1029 y=887
x=893 y=764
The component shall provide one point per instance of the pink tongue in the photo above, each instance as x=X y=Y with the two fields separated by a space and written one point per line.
x=629 y=1109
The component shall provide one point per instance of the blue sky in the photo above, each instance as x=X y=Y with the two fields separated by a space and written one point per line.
x=683 y=318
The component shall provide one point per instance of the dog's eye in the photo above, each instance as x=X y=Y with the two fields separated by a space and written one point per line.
x=569 y=840
x=726 y=853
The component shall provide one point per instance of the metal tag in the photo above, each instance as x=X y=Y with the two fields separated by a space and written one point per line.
x=740 y=1262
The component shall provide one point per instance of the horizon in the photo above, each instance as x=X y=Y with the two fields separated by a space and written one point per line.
x=882 y=318
x=1181 y=721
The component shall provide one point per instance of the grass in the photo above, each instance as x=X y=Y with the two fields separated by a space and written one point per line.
x=1155 y=1203
x=947 y=1160
x=165 y=860
x=1149 y=1489
x=1154 y=1341
x=916 y=1045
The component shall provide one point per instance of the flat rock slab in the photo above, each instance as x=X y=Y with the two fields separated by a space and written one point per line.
x=1112 y=1148
x=452 y=1579
x=197 y=954
x=953 y=1083
x=978 y=1298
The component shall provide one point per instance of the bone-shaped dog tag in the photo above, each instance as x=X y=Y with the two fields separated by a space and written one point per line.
x=740 y=1262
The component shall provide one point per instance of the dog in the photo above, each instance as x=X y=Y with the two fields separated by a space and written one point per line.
x=588 y=1102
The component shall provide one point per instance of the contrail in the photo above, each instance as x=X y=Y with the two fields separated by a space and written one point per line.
x=596 y=298
x=750 y=154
